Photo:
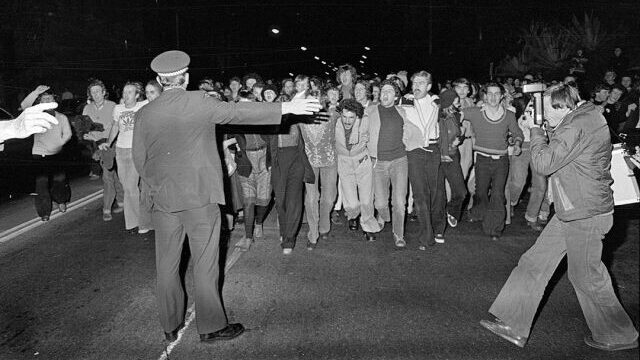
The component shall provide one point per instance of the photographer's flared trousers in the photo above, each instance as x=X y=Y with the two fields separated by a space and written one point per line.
x=581 y=242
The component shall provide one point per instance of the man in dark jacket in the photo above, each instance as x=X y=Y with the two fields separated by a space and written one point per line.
x=577 y=157
x=175 y=152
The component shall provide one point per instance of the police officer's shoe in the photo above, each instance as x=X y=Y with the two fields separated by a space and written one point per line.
x=173 y=335
x=229 y=332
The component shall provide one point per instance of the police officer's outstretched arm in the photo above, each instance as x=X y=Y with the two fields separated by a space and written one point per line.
x=252 y=113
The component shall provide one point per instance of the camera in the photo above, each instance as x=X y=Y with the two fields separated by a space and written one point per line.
x=536 y=90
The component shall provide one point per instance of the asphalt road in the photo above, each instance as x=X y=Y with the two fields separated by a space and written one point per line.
x=80 y=288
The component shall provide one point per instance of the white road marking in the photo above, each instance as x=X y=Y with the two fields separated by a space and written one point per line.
x=34 y=223
x=191 y=312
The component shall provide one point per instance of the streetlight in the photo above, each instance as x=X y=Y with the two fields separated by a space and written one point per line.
x=364 y=56
x=324 y=62
x=303 y=48
x=316 y=57
x=275 y=30
x=361 y=61
x=367 y=48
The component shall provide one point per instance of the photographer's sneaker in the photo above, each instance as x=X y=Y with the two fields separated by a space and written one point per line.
x=439 y=238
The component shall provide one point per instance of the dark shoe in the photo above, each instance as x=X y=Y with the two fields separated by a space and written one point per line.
x=228 y=333
x=311 y=245
x=62 y=207
x=335 y=218
x=106 y=216
x=504 y=331
x=324 y=236
x=173 y=336
x=133 y=230
x=609 y=347
x=495 y=237
x=412 y=216
x=45 y=218
x=535 y=226
x=370 y=237
x=353 y=224
x=543 y=222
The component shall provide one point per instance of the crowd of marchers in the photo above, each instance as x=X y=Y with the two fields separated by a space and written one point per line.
x=393 y=148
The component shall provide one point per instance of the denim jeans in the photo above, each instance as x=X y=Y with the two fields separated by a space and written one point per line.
x=396 y=174
x=129 y=179
x=491 y=174
x=581 y=242
x=427 y=182
x=538 y=205
x=319 y=199
x=454 y=176
x=112 y=189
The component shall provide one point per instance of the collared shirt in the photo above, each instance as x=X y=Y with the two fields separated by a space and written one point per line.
x=427 y=117
x=102 y=115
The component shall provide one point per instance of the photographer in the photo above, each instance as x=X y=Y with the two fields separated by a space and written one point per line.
x=577 y=157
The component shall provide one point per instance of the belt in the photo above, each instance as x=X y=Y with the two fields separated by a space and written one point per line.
x=494 y=157
x=257 y=149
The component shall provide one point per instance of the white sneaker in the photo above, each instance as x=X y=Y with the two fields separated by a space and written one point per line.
x=439 y=238
x=258 y=232
x=287 y=251
x=143 y=230
x=453 y=222
x=400 y=243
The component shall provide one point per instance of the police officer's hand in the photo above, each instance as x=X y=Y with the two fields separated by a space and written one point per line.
x=103 y=146
x=320 y=117
x=307 y=106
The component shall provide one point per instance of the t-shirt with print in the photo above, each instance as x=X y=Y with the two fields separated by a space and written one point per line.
x=125 y=118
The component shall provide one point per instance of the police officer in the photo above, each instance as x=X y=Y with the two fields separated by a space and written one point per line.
x=175 y=152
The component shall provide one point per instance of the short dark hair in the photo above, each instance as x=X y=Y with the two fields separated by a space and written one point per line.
x=461 y=81
x=155 y=84
x=351 y=105
x=236 y=79
x=492 y=84
x=367 y=87
x=390 y=82
x=251 y=76
x=96 y=82
x=47 y=92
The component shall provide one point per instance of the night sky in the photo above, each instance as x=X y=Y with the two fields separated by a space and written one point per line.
x=66 y=42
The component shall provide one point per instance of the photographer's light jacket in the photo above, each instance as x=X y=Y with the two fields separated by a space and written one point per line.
x=578 y=159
